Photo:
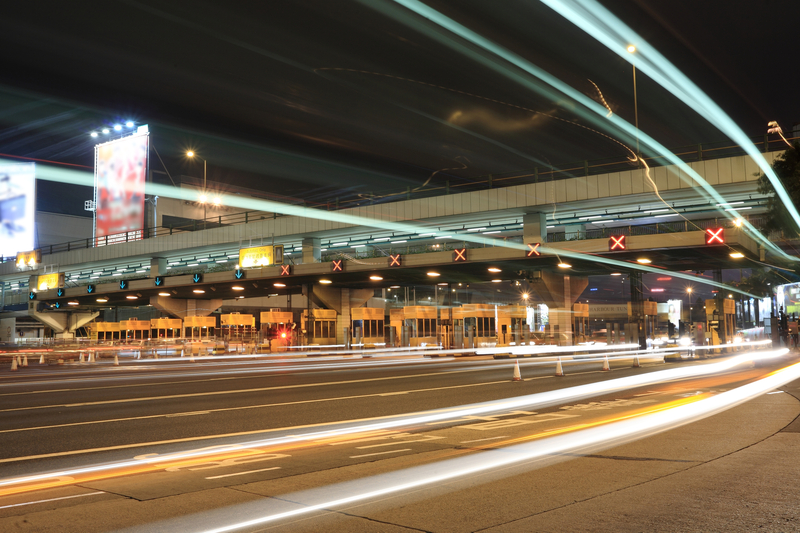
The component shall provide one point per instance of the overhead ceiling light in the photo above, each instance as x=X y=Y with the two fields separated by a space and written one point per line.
x=434 y=274
x=376 y=278
x=443 y=237
x=338 y=244
x=199 y=291
x=163 y=294
x=669 y=215
x=426 y=234
x=738 y=222
x=398 y=242
x=102 y=300
x=442 y=284
x=644 y=261
x=616 y=273
x=395 y=287
x=132 y=297
x=476 y=229
x=737 y=255
x=381 y=239
x=738 y=208
x=499 y=280
x=564 y=265
x=656 y=211
x=730 y=203
x=591 y=217
x=241 y=296
x=72 y=303
x=494 y=269
x=490 y=232
x=237 y=288
x=278 y=284
x=325 y=281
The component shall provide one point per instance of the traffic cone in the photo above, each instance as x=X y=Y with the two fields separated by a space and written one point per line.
x=606 y=366
x=636 y=361
x=13 y=364
x=41 y=360
x=155 y=354
x=559 y=370
x=517 y=375
x=25 y=360
x=80 y=359
x=116 y=359
x=92 y=358
x=19 y=360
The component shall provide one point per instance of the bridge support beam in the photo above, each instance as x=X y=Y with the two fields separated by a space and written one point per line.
x=158 y=266
x=534 y=228
x=63 y=324
x=181 y=308
x=311 y=250
x=559 y=292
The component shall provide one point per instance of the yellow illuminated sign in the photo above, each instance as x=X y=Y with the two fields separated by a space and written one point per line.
x=260 y=256
x=28 y=259
x=49 y=281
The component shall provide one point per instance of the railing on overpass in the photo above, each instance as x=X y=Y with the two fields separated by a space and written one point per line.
x=584 y=168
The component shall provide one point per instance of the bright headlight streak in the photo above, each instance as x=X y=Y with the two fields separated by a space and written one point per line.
x=584 y=440
x=598 y=112
x=601 y=24
x=538 y=400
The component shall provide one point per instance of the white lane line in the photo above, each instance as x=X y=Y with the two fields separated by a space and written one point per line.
x=424 y=439
x=480 y=440
x=53 y=499
x=191 y=413
x=379 y=453
x=242 y=408
x=237 y=391
x=243 y=473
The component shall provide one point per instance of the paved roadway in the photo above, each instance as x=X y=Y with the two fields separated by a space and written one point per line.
x=73 y=416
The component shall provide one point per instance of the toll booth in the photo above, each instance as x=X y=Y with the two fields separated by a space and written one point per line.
x=720 y=327
x=476 y=321
x=649 y=322
x=512 y=327
x=277 y=330
x=108 y=331
x=165 y=328
x=421 y=324
x=322 y=330
x=237 y=326
x=134 y=329
x=580 y=322
x=367 y=325
x=199 y=327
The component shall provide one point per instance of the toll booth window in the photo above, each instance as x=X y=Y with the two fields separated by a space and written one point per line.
x=326 y=328
x=359 y=324
x=373 y=328
x=379 y=333
x=491 y=326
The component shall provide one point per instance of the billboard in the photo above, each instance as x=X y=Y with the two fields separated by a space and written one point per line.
x=17 y=207
x=46 y=282
x=120 y=170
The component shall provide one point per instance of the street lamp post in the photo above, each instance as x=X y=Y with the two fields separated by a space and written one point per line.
x=632 y=50
x=203 y=197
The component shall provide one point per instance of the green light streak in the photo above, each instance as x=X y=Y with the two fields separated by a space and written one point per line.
x=515 y=67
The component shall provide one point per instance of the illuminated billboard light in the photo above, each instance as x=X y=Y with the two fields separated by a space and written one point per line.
x=17 y=207
x=119 y=176
x=261 y=256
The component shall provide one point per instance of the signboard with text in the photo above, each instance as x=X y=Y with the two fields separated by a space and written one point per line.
x=49 y=281
x=261 y=256
x=17 y=207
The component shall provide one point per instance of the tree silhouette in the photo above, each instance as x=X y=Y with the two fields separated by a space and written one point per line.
x=787 y=168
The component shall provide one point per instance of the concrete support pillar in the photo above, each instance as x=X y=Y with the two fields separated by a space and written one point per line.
x=311 y=250
x=534 y=228
x=158 y=266
x=343 y=318
x=181 y=308
x=559 y=292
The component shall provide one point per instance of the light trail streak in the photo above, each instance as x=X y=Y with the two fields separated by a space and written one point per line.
x=538 y=400
x=596 y=112
x=581 y=439
x=602 y=25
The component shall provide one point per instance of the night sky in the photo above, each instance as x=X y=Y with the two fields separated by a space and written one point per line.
x=322 y=99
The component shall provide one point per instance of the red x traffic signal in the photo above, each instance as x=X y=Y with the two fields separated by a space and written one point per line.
x=337 y=265
x=617 y=242
x=459 y=254
x=395 y=260
x=533 y=249
x=715 y=236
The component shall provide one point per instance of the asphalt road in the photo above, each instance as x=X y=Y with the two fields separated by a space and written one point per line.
x=73 y=416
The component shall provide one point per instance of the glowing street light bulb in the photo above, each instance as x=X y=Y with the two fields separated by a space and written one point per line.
x=106 y=131
x=631 y=48
x=190 y=153
x=117 y=127
x=203 y=198
x=93 y=134
x=217 y=200
x=129 y=123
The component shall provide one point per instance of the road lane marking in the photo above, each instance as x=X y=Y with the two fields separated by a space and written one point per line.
x=423 y=439
x=241 y=408
x=379 y=453
x=53 y=499
x=238 y=391
x=243 y=473
x=481 y=440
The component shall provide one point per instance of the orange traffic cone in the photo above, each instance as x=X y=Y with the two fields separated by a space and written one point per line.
x=606 y=366
x=559 y=370
x=636 y=361
x=41 y=360
x=517 y=375
x=80 y=359
x=13 y=364
x=25 y=360
x=116 y=359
